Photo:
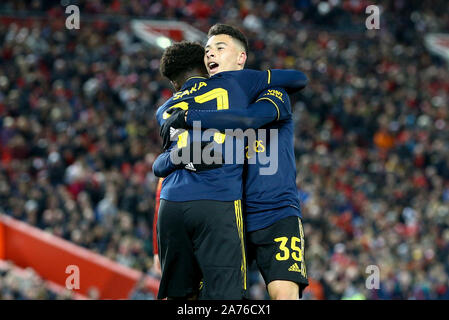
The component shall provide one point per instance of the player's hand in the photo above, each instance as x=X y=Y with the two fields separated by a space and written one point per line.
x=201 y=166
x=171 y=127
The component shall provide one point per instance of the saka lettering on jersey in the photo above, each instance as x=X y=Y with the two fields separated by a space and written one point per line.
x=195 y=88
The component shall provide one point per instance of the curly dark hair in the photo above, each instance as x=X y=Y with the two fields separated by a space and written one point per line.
x=180 y=58
x=231 y=31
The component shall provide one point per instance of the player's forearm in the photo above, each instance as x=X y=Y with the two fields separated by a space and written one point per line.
x=255 y=116
x=163 y=166
x=293 y=80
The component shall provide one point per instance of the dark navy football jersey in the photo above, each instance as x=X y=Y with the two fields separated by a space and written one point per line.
x=225 y=90
x=270 y=191
x=272 y=195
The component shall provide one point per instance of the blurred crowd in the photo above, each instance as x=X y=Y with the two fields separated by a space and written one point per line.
x=19 y=284
x=78 y=135
x=25 y=284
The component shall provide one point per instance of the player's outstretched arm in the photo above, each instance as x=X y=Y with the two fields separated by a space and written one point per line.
x=255 y=116
x=291 y=80
x=253 y=81
x=270 y=106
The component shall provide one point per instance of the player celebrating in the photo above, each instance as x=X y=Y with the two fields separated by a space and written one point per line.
x=199 y=236
x=275 y=235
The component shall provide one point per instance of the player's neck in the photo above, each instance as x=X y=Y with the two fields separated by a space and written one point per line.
x=188 y=75
x=194 y=74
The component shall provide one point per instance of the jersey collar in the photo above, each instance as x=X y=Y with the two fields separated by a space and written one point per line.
x=191 y=81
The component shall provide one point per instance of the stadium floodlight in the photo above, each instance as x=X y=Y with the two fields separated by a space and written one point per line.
x=163 y=33
x=163 y=42
x=438 y=43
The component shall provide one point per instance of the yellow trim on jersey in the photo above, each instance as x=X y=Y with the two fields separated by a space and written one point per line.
x=277 y=108
x=239 y=221
x=196 y=77
x=303 y=262
x=218 y=93
x=269 y=76
x=182 y=139
x=182 y=105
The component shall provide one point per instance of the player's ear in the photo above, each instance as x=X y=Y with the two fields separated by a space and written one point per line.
x=241 y=60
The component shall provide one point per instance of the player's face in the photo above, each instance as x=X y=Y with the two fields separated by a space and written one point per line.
x=223 y=53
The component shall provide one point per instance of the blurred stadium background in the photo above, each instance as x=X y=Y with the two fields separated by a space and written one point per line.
x=78 y=138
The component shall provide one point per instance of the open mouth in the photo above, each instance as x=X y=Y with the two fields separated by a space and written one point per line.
x=213 y=67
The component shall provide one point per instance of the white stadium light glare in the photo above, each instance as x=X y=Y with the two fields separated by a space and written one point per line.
x=163 y=42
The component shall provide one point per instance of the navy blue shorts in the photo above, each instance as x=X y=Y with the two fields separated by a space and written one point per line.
x=279 y=252
x=202 y=250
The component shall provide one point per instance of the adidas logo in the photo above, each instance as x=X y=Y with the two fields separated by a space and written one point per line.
x=190 y=166
x=173 y=132
x=294 y=267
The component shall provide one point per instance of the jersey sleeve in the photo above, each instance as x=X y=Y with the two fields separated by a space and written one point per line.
x=163 y=165
x=279 y=99
x=254 y=81
x=292 y=80
x=268 y=107
x=159 y=117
